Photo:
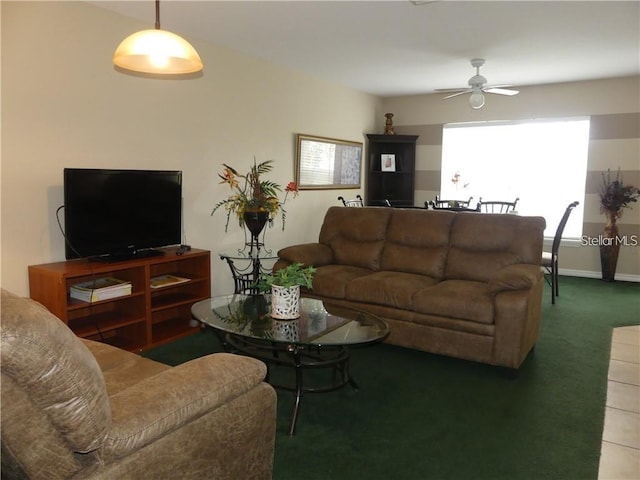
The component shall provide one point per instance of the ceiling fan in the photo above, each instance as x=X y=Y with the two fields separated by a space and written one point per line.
x=477 y=87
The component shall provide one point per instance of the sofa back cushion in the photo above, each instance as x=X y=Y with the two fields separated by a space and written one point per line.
x=482 y=244
x=57 y=372
x=356 y=236
x=31 y=445
x=418 y=241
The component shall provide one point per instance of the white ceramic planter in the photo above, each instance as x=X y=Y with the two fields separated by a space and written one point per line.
x=285 y=302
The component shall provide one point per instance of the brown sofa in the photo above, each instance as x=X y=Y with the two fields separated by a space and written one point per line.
x=466 y=285
x=77 y=409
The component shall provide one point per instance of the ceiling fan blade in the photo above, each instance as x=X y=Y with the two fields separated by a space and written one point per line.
x=500 y=91
x=460 y=92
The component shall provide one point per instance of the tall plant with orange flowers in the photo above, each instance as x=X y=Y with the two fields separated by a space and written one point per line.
x=253 y=193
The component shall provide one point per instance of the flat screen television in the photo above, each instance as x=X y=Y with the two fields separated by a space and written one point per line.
x=111 y=215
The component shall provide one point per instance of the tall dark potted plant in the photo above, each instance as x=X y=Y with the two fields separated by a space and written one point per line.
x=614 y=196
x=254 y=200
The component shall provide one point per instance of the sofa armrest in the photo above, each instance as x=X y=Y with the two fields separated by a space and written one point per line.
x=515 y=277
x=165 y=402
x=312 y=254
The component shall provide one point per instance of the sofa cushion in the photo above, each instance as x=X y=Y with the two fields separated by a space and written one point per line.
x=461 y=299
x=120 y=368
x=515 y=277
x=31 y=447
x=483 y=244
x=191 y=390
x=56 y=370
x=417 y=242
x=356 y=235
x=315 y=254
x=393 y=289
x=331 y=280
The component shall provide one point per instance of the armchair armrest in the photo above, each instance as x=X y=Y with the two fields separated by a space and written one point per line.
x=312 y=254
x=515 y=277
x=165 y=402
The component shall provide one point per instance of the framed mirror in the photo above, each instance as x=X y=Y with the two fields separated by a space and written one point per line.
x=327 y=163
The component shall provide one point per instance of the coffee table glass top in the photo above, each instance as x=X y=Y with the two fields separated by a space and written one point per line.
x=320 y=323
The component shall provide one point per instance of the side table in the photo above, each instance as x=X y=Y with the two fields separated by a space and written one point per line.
x=246 y=267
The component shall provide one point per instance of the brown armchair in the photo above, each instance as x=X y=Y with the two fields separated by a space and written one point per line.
x=79 y=409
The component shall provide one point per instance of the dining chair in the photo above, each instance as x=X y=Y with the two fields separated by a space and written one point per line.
x=453 y=205
x=438 y=203
x=356 y=202
x=497 y=206
x=550 y=259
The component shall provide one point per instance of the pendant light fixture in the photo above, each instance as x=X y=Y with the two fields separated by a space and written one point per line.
x=157 y=51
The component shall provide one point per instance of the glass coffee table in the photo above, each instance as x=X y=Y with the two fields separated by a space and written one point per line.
x=319 y=339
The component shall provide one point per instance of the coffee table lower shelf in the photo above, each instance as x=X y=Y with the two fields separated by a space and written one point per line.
x=300 y=358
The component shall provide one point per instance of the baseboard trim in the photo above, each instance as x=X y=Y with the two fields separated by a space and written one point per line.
x=589 y=274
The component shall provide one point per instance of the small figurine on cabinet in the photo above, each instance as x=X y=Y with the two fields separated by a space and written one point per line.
x=388 y=125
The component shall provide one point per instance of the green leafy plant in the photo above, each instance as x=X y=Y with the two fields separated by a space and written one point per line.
x=290 y=276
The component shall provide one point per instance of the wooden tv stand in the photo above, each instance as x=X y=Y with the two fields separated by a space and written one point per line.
x=147 y=318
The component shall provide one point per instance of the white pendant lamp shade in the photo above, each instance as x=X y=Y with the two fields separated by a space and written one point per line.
x=157 y=51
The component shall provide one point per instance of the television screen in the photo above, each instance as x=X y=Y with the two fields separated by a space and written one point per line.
x=115 y=214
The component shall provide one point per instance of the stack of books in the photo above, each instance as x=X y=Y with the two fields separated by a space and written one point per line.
x=100 y=289
x=167 y=280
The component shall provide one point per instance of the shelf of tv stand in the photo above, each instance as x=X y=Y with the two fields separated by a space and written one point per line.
x=170 y=330
x=75 y=304
x=89 y=326
x=146 y=318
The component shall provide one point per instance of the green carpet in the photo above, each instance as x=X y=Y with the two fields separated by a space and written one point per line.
x=422 y=416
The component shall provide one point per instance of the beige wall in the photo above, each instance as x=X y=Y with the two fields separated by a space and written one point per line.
x=64 y=105
x=614 y=108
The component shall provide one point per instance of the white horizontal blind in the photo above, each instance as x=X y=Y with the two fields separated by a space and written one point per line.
x=318 y=163
x=542 y=162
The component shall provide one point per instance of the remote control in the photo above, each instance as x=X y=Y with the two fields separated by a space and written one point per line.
x=183 y=248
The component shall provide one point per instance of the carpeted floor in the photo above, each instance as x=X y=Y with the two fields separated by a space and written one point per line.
x=421 y=416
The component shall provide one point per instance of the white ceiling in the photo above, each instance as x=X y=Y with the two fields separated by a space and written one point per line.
x=392 y=48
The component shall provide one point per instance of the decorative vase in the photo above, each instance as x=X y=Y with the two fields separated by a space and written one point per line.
x=255 y=222
x=609 y=248
x=388 y=124
x=285 y=302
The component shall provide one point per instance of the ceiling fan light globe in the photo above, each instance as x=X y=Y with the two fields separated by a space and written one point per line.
x=476 y=100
